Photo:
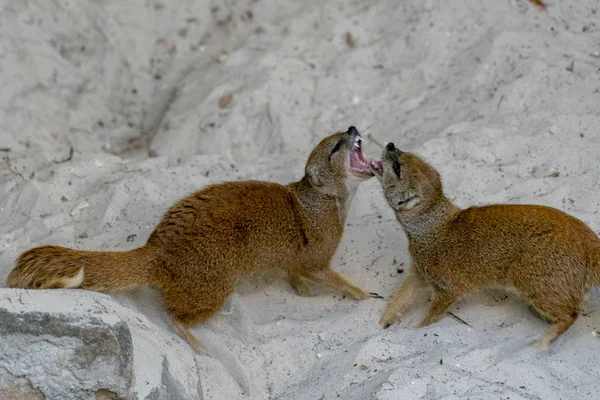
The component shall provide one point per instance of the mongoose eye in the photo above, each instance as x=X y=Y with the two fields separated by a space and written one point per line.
x=396 y=168
x=337 y=147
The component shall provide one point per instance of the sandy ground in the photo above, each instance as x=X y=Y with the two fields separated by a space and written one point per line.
x=500 y=96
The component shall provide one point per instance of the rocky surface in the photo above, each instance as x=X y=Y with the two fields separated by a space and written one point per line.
x=81 y=346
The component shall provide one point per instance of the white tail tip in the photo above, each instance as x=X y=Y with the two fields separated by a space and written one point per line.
x=74 y=282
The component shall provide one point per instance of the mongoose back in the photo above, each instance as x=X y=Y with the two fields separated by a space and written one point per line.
x=550 y=257
x=210 y=240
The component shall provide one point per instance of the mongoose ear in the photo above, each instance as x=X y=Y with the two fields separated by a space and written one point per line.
x=313 y=177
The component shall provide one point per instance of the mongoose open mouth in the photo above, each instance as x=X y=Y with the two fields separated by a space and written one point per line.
x=358 y=164
x=377 y=166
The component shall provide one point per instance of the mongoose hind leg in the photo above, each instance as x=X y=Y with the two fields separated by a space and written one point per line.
x=188 y=310
x=539 y=315
x=411 y=287
x=184 y=332
x=442 y=301
x=182 y=321
x=563 y=316
x=555 y=331
x=558 y=301
x=328 y=277
x=298 y=283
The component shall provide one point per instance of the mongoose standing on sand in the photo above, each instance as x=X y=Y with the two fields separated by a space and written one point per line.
x=551 y=258
x=210 y=240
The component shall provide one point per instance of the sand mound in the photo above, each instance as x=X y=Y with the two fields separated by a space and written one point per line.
x=500 y=96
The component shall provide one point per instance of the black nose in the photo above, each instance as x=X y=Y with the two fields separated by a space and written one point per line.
x=390 y=146
x=352 y=131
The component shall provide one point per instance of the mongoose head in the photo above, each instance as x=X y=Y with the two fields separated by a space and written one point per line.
x=408 y=182
x=337 y=163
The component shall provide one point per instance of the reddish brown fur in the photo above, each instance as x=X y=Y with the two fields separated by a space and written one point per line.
x=210 y=240
x=550 y=257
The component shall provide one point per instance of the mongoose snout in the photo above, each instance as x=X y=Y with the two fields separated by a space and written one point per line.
x=405 y=191
x=358 y=163
x=551 y=258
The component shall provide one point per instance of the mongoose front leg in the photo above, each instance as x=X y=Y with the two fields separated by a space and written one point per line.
x=298 y=283
x=332 y=279
x=442 y=301
x=411 y=287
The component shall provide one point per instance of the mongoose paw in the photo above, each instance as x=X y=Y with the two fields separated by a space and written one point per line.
x=426 y=322
x=300 y=286
x=388 y=320
x=359 y=294
x=303 y=291
x=541 y=346
x=376 y=296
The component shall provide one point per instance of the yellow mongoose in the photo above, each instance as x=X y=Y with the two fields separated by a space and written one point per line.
x=210 y=240
x=550 y=257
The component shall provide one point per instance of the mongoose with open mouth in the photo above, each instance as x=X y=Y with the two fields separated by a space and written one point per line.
x=551 y=258
x=210 y=240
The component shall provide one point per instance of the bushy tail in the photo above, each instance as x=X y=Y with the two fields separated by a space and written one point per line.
x=51 y=267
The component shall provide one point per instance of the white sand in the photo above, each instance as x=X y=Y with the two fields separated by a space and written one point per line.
x=500 y=96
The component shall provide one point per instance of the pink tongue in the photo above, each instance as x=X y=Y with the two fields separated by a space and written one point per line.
x=358 y=161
